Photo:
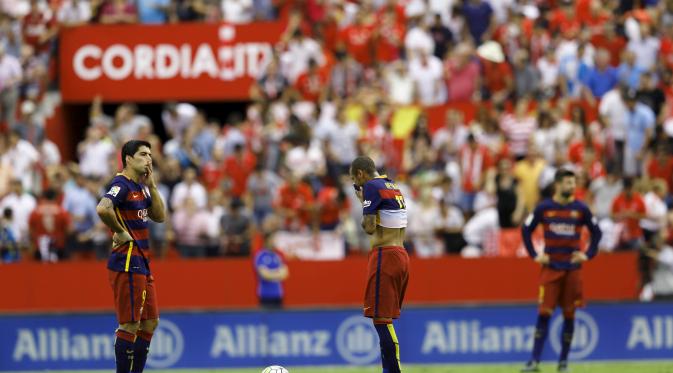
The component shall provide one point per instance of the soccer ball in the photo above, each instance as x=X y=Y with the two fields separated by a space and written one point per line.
x=275 y=369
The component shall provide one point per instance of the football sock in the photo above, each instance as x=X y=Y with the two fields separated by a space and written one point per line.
x=124 y=350
x=141 y=348
x=566 y=338
x=541 y=329
x=390 y=348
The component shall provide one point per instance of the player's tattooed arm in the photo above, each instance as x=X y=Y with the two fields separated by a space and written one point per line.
x=157 y=210
x=369 y=223
x=106 y=212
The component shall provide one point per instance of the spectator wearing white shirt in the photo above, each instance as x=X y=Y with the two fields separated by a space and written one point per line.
x=418 y=40
x=177 y=117
x=238 y=11
x=74 y=12
x=548 y=68
x=656 y=216
x=22 y=157
x=399 y=84
x=443 y=8
x=423 y=220
x=22 y=205
x=343 y=141
x=94 y=152
x=300 y=50
x=614 y=114
x=189 y=187
x=427 y=71
x=11 y=74
x=306 y=159
x=646 y=48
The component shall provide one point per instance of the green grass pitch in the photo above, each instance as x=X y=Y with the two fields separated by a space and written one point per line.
x=611 y=367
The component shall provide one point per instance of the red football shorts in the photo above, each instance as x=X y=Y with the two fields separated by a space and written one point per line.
x=560 y=288
x=135 y=296
x=387 y=278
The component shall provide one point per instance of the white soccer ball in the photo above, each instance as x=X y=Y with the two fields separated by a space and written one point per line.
x=275 y=369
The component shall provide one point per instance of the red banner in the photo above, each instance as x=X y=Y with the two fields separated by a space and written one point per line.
x=194 y=62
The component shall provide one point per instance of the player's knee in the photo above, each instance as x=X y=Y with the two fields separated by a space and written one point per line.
x=130 y=327
x=545 y=312
x=383 y=321
x=149 y=325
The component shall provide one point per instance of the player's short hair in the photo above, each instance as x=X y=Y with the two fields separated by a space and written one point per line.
x=363 y=163
x=562 y=173
x=131 y=148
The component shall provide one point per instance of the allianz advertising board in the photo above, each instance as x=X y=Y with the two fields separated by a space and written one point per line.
x=336 y=337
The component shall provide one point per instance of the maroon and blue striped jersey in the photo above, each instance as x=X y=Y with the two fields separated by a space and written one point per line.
x=131 y=202
x=382 y=197
x=562 y=231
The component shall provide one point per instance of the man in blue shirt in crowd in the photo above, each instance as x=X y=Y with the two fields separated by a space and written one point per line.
x=603 y=77
x=639 y=130
x=270 y=268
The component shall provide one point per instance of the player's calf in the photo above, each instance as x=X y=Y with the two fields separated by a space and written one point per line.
x=390 y=347
x=125 y=338
x=142 y=344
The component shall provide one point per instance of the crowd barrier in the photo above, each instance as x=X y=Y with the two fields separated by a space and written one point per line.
x=231 y=283
x=336 y=337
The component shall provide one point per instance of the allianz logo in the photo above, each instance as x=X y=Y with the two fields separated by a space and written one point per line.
x=355 y=340
x=61 y=344
x=471 y=337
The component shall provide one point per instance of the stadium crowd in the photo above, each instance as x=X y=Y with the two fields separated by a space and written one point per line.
x=583 y=84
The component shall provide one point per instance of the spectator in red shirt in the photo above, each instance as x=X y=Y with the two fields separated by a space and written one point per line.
x=498 y=80
x=119 y=12
x=610 y=41
x=628 y=208
x=388 y=36
x=237 y=169
x=660 y=166
x=564 y=18
x=666 y=49
x=358 y=40
x=38 y=29
x=295 y=203
x=49 y=227
x=331 y=202
x=461 y=72
x=578 y=147
x=312 y=83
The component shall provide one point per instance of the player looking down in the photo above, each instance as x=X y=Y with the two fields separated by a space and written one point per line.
x=385 y=220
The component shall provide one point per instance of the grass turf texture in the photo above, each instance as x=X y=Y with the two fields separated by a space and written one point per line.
x=612 y=367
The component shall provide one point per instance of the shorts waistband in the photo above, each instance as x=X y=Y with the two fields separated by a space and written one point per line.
x=389 y=248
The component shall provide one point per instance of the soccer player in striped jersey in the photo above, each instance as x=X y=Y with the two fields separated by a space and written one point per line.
x=131 y=200
x=560 y=280
x=385 y=219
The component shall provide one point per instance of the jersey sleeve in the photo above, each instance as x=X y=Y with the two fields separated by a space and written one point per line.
x=117 y=193
x=371 y=199
x=148 y=195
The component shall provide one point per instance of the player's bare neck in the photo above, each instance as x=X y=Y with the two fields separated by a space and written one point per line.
x=563 y=201
x=129 y=174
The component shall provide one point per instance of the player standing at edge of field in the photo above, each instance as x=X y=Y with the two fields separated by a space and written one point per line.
x=385 y=219
x=560 y=279
x=132 y=198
